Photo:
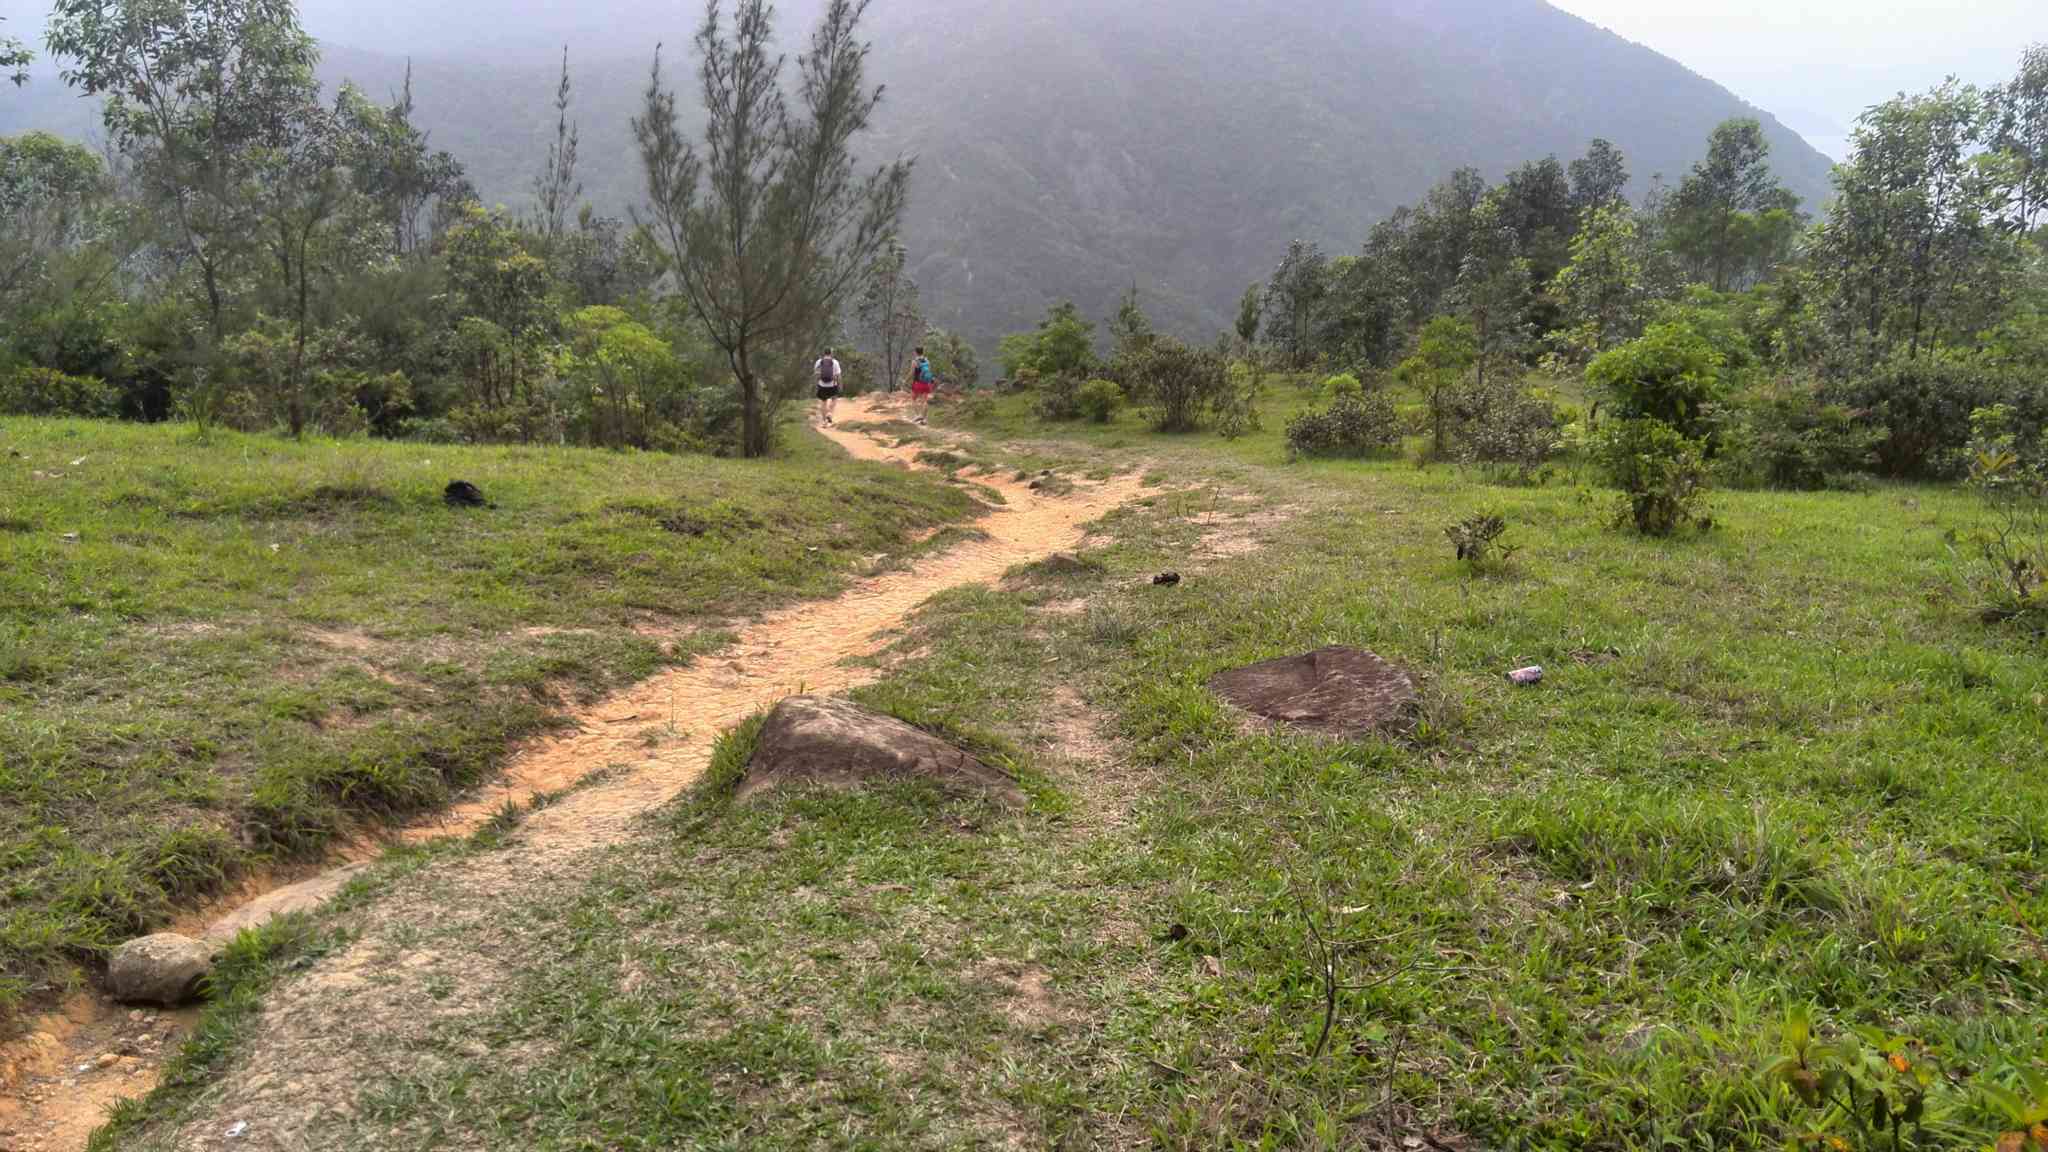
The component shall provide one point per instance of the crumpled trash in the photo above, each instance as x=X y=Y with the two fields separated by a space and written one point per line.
x=1526 y=676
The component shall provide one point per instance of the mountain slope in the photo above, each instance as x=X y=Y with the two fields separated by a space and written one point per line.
x=1068 y=148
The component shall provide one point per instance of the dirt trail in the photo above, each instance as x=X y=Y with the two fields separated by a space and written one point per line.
x=658 y=735
x=654 y=739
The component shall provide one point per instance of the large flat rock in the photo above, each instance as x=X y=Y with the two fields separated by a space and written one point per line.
x=1345 y=692
x=834 y=742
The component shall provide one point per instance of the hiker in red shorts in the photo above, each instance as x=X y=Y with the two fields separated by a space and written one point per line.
x=923 y=382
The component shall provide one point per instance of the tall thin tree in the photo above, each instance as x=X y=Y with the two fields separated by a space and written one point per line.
x=890 y=310
x=555 y=189
x=768 y=228
x=2022 y=135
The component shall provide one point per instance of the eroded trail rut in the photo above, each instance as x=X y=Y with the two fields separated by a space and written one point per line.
x=651 y=742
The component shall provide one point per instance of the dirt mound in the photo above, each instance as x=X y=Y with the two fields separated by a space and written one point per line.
x=1340 y=691
x=819 y=738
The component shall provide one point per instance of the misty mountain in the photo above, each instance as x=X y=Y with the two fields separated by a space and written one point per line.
x=1069 y=148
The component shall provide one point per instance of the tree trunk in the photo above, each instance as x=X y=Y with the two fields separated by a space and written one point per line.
x=753 y=429
x=298 y=404
x=215 y=305
x=1484 y=319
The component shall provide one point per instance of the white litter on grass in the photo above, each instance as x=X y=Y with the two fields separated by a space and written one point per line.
x=237 y=1128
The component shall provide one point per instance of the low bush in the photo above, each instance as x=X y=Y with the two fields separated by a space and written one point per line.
x=1481 y=540
x=1354 y=426
x=1921 y=408
x=1787 y=436
x=1661 y=472
x=1672 y=374
x=1340 y=387
x=47 y=392
x=1507 y=424
x=1100 y=400
x=1059 y=398
x=1237 y=410
x=1179 y=386
x=2010 y=578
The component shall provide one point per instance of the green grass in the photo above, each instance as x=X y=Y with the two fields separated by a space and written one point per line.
x=1013 y=418
x=1779 y=763
x=216 y=652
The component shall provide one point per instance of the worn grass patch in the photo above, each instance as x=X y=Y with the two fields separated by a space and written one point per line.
x=215 y=651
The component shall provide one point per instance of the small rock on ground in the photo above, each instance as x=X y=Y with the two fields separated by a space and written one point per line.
x=165 y=969
x=836 y=742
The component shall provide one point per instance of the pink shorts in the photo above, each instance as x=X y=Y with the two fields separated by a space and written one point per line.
x=921 y=388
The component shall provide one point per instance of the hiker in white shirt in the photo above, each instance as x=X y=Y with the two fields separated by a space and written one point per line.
x=828 y=387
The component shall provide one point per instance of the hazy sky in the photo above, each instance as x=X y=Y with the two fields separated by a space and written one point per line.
x=1818 y=63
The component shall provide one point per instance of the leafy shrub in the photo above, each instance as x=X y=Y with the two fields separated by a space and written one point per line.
x=626 y=387
x=1100 y=399
x=1355 y=426
x=1661 y=472
x=1923 y=406
x=1788 y=437
x=1671 y=374
x=1237 y=410
x=1507 y=424
x=2011 y=578
x=1339 y=387
x=47 y=392
x=975 y=407
x=1063 y=345
x=1444 y=352
x=1059 y=398
x=1179 y=385
x=1480 y=540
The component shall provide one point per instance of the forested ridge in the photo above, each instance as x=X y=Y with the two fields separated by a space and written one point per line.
x=254 y=247
x=1068 y=148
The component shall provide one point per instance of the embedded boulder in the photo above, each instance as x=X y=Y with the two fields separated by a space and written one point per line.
x=165 y=969
x=834 y=742
x=1346 y=692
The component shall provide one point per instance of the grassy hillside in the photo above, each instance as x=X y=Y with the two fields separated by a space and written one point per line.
x=219 y=652
x=1773 y=765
